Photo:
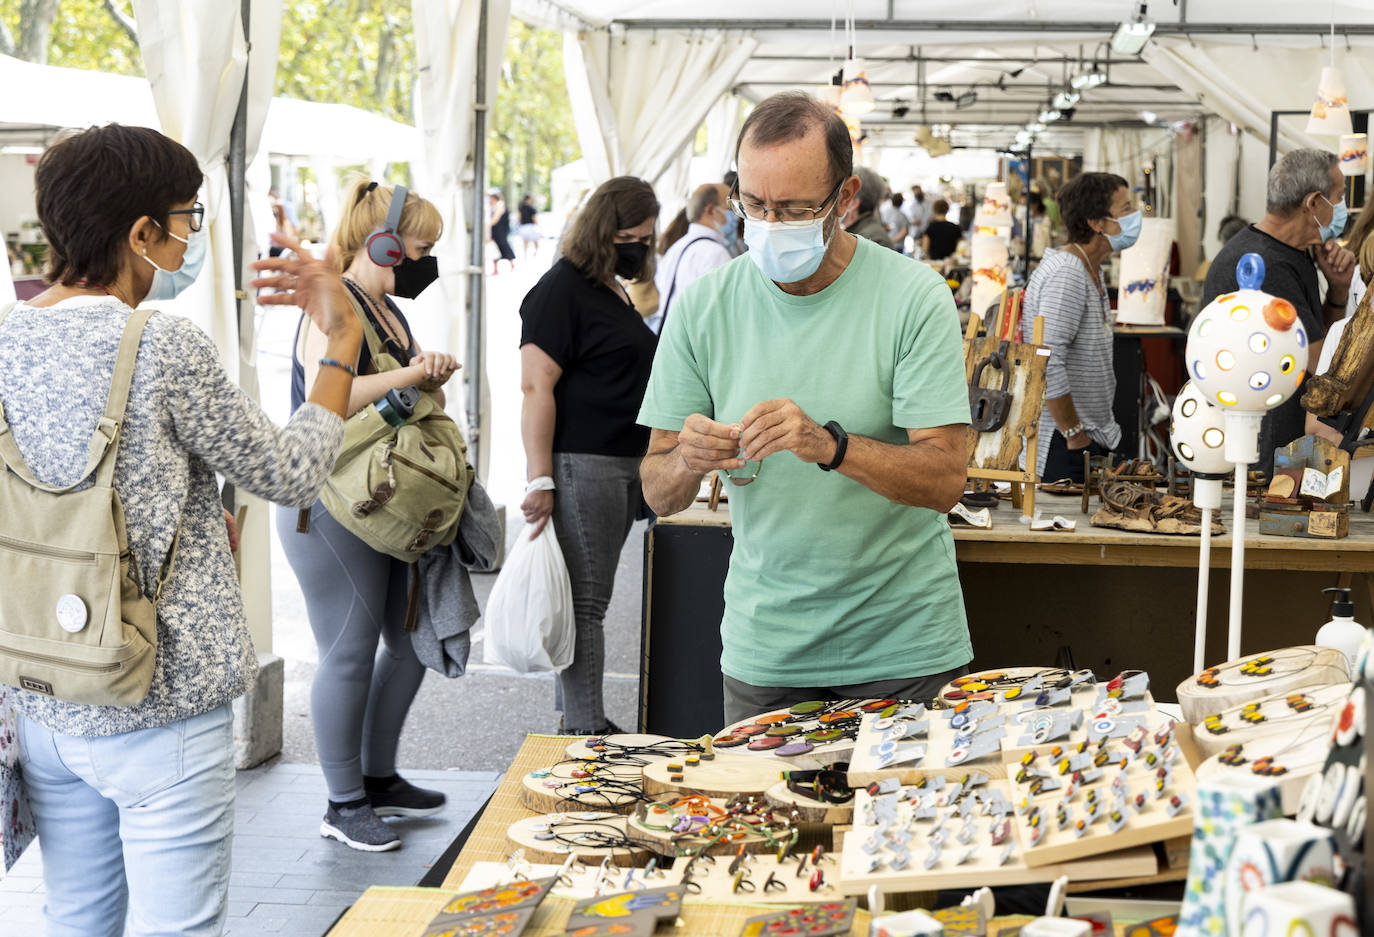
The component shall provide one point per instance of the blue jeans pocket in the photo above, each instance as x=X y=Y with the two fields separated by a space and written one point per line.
x=133 y=766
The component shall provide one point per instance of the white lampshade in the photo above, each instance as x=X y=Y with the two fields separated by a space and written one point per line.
x=857 y=97
x=1330 y=110
x=1354 y=152
x=829 y=94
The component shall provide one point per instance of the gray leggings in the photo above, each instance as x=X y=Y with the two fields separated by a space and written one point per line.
x=362 y=692
x=593 y=510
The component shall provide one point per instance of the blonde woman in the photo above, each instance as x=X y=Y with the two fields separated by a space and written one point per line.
x=355 y=596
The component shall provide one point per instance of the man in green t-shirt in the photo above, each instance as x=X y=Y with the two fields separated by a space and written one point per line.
x=846 y=355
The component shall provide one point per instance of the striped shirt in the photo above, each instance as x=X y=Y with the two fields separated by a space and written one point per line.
x=1079 y=335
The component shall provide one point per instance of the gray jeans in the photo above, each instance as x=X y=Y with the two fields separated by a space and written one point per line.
x=368 y=672
x=593 y=509
x=743 y=700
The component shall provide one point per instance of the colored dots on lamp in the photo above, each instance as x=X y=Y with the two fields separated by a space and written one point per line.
x=1198 y=432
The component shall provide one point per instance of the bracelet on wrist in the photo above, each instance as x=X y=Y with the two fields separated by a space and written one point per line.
x=1073 y=430
x=540 y=483
x=334 y=363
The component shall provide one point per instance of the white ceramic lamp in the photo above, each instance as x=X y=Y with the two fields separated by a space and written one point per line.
x=994 y=211
x=1247 y=354
x=1198 y=434
x=857 y=97
x=988 y=253
x=1354 y=152
x=1330 y=110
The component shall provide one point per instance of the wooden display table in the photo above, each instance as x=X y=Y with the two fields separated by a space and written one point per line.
x=1104 y=599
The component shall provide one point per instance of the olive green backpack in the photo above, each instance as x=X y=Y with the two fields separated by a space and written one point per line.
x=73 y=623
x=400 y=491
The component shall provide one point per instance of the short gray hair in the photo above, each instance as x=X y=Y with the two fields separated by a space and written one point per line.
x=872 y=189
x=703 y=200
x=1299 y=173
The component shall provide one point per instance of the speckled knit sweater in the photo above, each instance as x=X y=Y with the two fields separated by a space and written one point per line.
x=186 y=422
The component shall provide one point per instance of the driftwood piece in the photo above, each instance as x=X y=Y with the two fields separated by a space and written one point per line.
x=1347 y=382
x=1130 y=506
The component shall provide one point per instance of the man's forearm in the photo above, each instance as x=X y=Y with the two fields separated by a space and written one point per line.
x=923 y=474
x=1063 y=411
x=669 y=485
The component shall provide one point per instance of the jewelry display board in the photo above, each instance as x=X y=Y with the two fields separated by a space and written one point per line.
x=808 y=735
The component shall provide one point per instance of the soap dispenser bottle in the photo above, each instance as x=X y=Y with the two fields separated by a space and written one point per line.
x=1342 y=631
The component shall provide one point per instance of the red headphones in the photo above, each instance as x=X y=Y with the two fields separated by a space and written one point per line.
x=384 y=246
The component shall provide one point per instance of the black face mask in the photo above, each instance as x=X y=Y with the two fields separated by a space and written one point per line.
x=412 y=276
x=629 y=259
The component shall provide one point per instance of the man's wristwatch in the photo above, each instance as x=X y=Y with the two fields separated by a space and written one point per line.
x=841 y=444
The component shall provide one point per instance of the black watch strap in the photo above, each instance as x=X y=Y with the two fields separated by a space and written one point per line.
x=841 y=444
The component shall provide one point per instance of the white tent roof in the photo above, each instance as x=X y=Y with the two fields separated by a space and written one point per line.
x=1014 y=53
x=77 y=98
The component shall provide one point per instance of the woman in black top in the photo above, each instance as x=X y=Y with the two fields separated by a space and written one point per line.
x=529 y=225
x=498 y=222
x=941 y=237
x=585 y=355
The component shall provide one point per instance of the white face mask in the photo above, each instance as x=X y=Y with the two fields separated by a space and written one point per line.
x=167 y=284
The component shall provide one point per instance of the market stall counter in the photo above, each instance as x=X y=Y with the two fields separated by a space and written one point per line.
x=1091 y=597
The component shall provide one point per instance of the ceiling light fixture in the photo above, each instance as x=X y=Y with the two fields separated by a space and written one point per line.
x=1087 y=80
x=1049 y=116
x=1065 y=99
x=966 y=100
x=1132 y=35
x=857 y=97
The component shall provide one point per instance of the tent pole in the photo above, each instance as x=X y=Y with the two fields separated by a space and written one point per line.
x=477 y=267
x=238 y=163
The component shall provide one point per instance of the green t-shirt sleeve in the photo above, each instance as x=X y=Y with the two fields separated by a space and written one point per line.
x=928 y=385
x=677 y=383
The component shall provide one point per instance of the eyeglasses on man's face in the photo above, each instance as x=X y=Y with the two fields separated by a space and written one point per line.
x=790 y=215
x=196 y=215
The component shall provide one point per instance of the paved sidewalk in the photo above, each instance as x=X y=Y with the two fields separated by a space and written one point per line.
x=286 y=878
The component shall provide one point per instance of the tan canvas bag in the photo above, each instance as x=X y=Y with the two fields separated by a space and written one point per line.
x=73 y=623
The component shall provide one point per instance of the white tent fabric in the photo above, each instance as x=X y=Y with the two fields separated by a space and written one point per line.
x=638 y=98
x=196 y=55
x=446 y=33
x=722 y=127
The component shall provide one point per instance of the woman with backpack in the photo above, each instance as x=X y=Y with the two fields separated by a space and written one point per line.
x=134 y=803
x=356 y=596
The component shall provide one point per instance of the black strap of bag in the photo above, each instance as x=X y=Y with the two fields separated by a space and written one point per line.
x=672 y=287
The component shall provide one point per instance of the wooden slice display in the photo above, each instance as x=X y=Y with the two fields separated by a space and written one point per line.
x=643 y=827
x=1257 y=676
x=808 y=809
x=551 y=837
x=607 y=747
x=579 y=786
x=1275 y=718
x=723 y=776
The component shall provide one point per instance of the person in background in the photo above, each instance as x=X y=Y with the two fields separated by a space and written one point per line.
x=737 y=245
x=356 y=597
x=1360 y=243
x=281 y=222
x=861 y=218
x=1048 y=188
x=134 y=805
x=818 y=325
x=1018 y=216
x=897 y=225
x=529 y=226
x=917 y=210
x=704 y=246
x=1230 y=226
x=498 y=229
x=941 y=237
x=1304 y=214
x=1067 y=291
x=584 y=363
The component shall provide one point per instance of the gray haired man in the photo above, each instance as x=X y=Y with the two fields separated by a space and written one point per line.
x=1303 y=216
x=861 y=219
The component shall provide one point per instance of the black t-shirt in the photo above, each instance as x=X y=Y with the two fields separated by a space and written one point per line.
x=527 y=214
x=944 y=238
x=605 y=351
x=364 y=363
x=1289 y=274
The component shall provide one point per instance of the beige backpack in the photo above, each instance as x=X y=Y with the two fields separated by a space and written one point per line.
x=73 y=623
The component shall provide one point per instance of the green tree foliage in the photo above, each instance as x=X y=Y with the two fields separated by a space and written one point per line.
x=358 y=52
x=91 y=34
x=531 y=129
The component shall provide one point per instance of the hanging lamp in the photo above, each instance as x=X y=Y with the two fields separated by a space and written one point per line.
x=857 y=97
x=1330 y=110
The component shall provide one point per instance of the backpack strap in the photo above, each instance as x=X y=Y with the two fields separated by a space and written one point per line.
x=673 y=286
x=104 y=439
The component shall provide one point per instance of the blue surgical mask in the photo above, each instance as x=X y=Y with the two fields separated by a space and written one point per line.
x=1130 y=230
x=1337 y=225
x=729 y=229
x=786 y=253
x=167 y=284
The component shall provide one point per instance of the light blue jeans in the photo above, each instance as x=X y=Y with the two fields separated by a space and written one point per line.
x=139 y=823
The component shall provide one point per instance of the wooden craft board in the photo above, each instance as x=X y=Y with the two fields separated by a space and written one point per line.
x=808 y=808
x=981 y=869
x=583 y=747
x=1281 y=721
x=722 y=776
x=524 y=834
x=1001 y=449
x=1293 y=668
x=539 y=797
x=666 y=843
x=1151 y=825
x=1301 y=755
x=823 y=755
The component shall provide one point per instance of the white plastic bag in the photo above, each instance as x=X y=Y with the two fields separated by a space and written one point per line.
x=530 y=626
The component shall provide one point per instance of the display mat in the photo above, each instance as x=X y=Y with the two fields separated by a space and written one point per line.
x=406 y=912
